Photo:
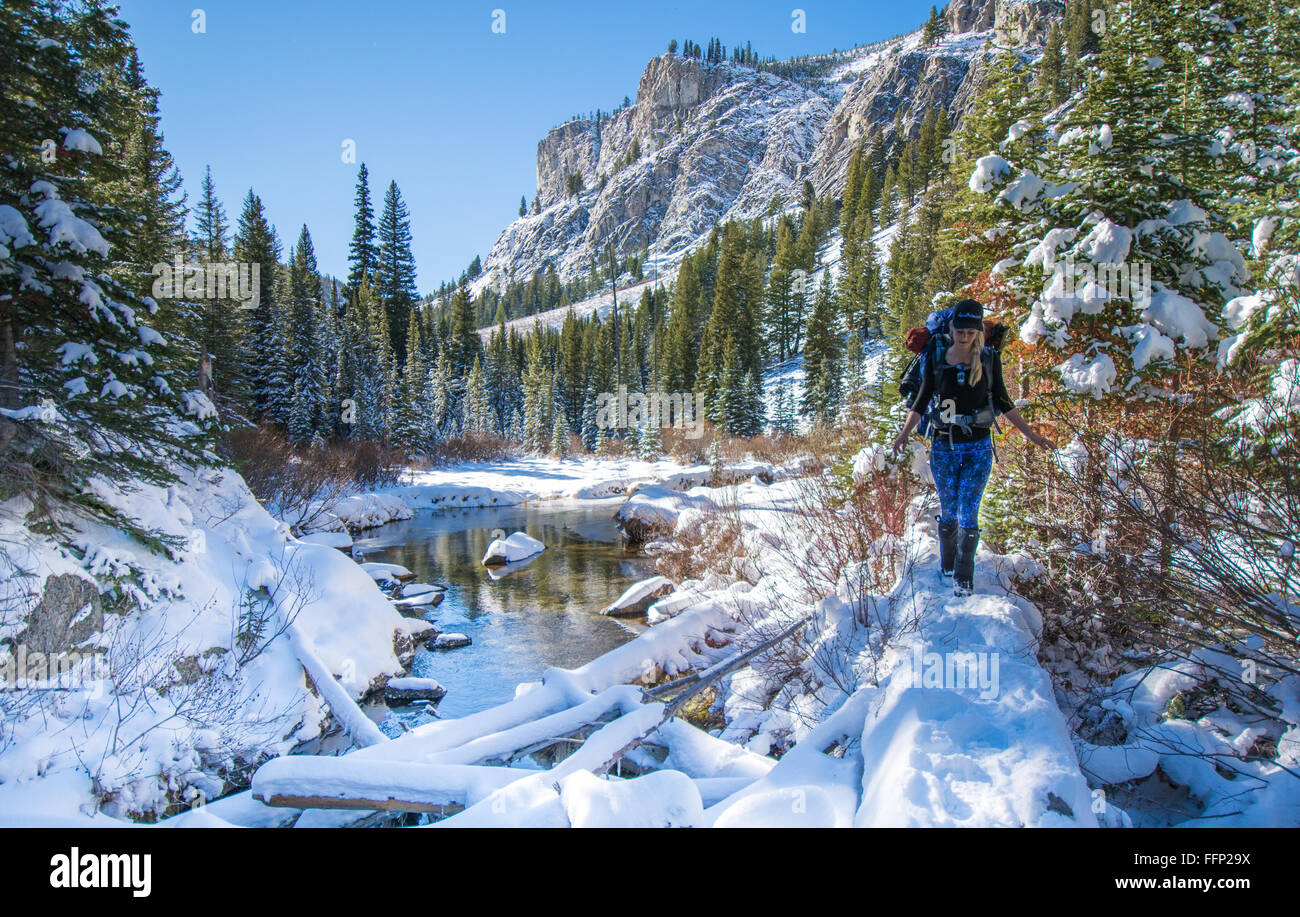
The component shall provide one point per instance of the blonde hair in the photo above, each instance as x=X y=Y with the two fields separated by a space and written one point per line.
x=975 y=371
x=975 y=368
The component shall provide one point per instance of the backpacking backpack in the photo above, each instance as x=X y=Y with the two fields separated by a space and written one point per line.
x=936 y=330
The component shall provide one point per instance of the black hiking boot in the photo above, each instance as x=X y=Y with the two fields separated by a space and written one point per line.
x=964 y=566
x=947 y=547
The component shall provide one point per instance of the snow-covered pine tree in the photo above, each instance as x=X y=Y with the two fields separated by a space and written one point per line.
x=679 y=355
x=823 y=372
x=256 y=243
x=395 y=269
x=539 y=400
x=478 y=406
x=1125 y=266
x=650 y=445
x=363 y=254
x=87 y=388
x=785 y=297
x=407 y=422
x=559 y=436
x=307 y=410
x=1262 y=355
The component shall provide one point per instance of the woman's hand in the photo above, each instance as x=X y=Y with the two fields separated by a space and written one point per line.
x=1039 y=440
x=899 y=445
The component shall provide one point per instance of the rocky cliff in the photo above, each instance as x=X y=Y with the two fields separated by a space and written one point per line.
x=722 y=141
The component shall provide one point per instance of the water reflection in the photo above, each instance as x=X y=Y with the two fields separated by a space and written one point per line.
x=543 y=612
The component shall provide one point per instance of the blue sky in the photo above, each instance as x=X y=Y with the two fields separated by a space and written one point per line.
x=430 y=94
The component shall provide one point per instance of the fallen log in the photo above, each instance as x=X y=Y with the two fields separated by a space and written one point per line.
x=692 y=685
x=310 y=782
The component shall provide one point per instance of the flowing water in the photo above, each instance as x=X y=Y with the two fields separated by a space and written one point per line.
x=538 y=613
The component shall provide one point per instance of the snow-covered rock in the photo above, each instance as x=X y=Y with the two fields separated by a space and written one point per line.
x=384 y=573
x=409 y=690
x=638 y=597
x=653 y=512
x=511 y=549
x=450 y=641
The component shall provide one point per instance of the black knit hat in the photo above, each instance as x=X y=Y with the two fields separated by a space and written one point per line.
x=968 y=314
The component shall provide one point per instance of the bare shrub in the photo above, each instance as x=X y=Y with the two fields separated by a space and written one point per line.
x=1171 y=552
x=472 y=447
x=300 y=483
x=714 y=544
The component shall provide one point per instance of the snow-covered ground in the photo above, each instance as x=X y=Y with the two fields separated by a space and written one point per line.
x=901 y=706
x=950 y=721
x=511 y=482
x=193 y=666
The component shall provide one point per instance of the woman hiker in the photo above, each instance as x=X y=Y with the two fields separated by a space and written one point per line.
x=965 y=379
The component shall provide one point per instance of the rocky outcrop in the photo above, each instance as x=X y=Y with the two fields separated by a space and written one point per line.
x=721 y=141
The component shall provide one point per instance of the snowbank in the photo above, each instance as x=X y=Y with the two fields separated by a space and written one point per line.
x=233 y=645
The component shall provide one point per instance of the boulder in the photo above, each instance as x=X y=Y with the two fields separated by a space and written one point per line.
x=384 y=573
x=509 y=550
x=638 y=597
x=450 y=641
x=400 y=691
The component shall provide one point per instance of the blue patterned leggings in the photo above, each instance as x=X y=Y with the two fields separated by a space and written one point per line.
x=960 y=472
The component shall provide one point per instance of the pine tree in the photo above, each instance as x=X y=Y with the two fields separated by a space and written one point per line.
x=478 y=409
x=407 y=422
x=219 y=326
x=1051 y=75
x=307 y=411
x=395 y=269
x=256 y=243
x=821 y=357
x=466 y=345
x=363 y=256
x=785 y=297
x=89 y=387
x=680 y=340
x=1135 y=185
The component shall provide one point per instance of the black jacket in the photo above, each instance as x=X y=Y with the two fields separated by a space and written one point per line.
x=969 y=399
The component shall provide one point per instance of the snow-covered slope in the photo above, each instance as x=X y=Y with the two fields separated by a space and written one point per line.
x=723 y=141
x=185 y=667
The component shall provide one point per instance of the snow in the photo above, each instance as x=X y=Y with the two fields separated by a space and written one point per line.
x=1179 y=317
x=66 y=228
x=450 y=641
x=639 y=596
x=1044 y=253
x=385 y=572
x=1151 y=345
x=13 y=230
x=1022 y=192
x=340 y=632
x=663 y=799
x=340 y=540
x=988 y=170
x=198 y=405
x=511 y=549
x=1107 y=243
x=80 y=140
x=1093 y=377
